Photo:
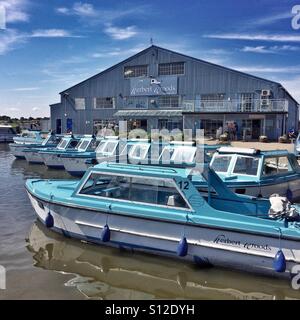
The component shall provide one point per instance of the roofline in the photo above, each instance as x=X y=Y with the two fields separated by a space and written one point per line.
x=184 y=55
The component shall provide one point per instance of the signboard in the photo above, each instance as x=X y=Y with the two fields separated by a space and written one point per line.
x=153 y=86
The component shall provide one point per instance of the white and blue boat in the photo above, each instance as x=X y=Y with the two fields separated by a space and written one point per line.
x=30 y=137
x=52 y=158
x=34 y=139
x=257 y=173
x=32 y=153
x=110 y=149
x=160 y=211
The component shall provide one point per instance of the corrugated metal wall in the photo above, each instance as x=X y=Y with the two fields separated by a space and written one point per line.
x=199 y=78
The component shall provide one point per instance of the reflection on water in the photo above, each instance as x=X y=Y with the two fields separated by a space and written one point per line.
x=101 y=272
x=108 y=273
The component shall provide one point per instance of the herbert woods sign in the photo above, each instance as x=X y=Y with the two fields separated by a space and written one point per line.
x=153 y=86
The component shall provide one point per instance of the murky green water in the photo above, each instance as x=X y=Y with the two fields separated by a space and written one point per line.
x=43 y=265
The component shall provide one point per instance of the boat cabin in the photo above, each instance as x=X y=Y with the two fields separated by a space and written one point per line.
x=231 y=163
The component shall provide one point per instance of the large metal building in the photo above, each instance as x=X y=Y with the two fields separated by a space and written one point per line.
x=161 y=89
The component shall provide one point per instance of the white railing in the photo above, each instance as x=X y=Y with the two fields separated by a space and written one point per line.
x=255 y=105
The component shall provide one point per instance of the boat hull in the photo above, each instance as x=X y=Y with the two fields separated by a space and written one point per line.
x=17 y=150
x=75 y=166
x=33 y=157
x=52 y=160
x=206 y=246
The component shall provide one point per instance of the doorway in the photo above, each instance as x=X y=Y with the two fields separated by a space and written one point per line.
x=58 y=126
x=256 y=128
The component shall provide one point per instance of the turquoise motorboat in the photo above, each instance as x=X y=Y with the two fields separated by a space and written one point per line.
x=160 y=211
x=69 y=144
x=110 y=149
x=256 y=173
x=31 y=139
x=32 y=153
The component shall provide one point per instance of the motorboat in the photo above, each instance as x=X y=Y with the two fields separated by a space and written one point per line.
x=32 y=153
x=256 y=173
x=7 y=133
x=37 y=139
x=52 y=158
x=30 y=137
x=160 y=211
x=110 y=149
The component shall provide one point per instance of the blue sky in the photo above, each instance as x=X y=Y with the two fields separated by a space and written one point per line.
x=48 y=46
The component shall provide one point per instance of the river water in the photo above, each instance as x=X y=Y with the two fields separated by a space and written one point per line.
x=43 y=265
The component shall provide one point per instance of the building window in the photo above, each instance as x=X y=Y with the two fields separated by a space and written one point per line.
x=210 y=126
x=104 y=103
x=246 y=101
x=167 y=69
x=79 y=103
x=168 y=101
x=136 y=71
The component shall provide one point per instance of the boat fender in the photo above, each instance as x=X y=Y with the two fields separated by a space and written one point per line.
x=49 y=221
x=105 y=234
x=182 y=248
x=279 y=263
x=289 y=194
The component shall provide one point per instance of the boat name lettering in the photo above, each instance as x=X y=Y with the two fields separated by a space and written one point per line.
x=222 y=239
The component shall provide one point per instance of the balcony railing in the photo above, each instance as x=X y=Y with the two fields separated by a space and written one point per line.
x=255 y=105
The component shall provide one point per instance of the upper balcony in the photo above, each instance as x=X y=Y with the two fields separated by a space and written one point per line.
x=253 y=105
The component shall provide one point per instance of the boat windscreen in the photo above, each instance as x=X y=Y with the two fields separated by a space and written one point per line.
x=246 y=165
x=184 y=155
x=146 y=190
x=139 y=151
x=107 y=148
x=63 y=144
x=220 y=163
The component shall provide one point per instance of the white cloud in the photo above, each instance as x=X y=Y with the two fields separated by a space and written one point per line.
x=84 y=9
x=63 y=10
x=258 y=49
x=25 y=89
x=120 y=33
x=263 y=69
x=256 y=37
x=36 y=109
x=52 y=33
x=116 y=52
x=272 y=49
x=272 y=18
x=13 y=109
x=79 y=9
x=15 y=10
x=9 y=39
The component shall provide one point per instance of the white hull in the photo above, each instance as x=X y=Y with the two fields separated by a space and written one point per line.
x=33 y=157
x=247 y=252
x=17 y=150
x=52 y=160
x=75 y=166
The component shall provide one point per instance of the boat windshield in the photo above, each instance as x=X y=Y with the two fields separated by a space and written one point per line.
x=246 y=165
x=149 y=190
x=107 y=148
x=63 y=144
x=220 y=163
x=139 y=151
x=184 y=154
x=276 y=165
x=83 y=145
